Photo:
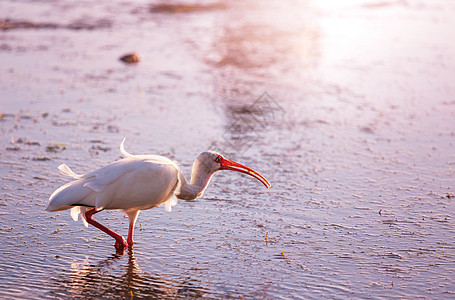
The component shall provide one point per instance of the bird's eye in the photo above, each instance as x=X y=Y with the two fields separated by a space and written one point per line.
x=218 y=159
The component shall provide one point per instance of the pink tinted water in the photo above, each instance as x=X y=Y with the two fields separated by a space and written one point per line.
x=355 y=134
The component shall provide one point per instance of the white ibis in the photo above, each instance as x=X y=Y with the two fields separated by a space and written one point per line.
x=135 y=183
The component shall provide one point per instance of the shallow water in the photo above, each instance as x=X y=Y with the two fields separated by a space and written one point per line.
x=347 y=109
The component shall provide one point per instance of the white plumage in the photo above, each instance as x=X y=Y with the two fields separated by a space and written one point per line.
x=135 y=183
x=141 y=182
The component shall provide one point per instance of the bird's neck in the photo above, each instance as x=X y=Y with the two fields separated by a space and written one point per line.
x=194 y=189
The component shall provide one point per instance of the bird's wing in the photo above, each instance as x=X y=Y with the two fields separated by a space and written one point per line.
x=96 y=180
x=150 y=158
x=108 y=180
x=115 y=170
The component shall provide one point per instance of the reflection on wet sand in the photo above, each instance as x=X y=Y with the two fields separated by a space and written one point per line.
x=113 y=278
x=248 y=123
x=362 y=161
x=249 y=55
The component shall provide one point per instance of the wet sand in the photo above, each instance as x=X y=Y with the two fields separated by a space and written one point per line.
x=347 y=109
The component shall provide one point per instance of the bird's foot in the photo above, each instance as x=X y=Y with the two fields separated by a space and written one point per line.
x=120 y=243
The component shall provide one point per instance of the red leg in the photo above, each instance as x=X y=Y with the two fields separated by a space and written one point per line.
x=119 y=240
x=132 y=216
x=130 y=240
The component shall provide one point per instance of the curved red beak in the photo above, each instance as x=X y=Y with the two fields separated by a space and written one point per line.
x=227 y=164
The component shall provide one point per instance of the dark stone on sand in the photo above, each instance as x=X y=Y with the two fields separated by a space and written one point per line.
x=131 y=58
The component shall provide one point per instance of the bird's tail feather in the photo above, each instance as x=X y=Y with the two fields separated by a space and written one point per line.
x=169 y=203
x=122 y=149
x=65 y=170
x=76 y=210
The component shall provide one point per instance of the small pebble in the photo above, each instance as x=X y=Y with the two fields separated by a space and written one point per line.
x=131 y=58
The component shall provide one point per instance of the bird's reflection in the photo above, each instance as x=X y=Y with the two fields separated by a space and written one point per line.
x=111 y=278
